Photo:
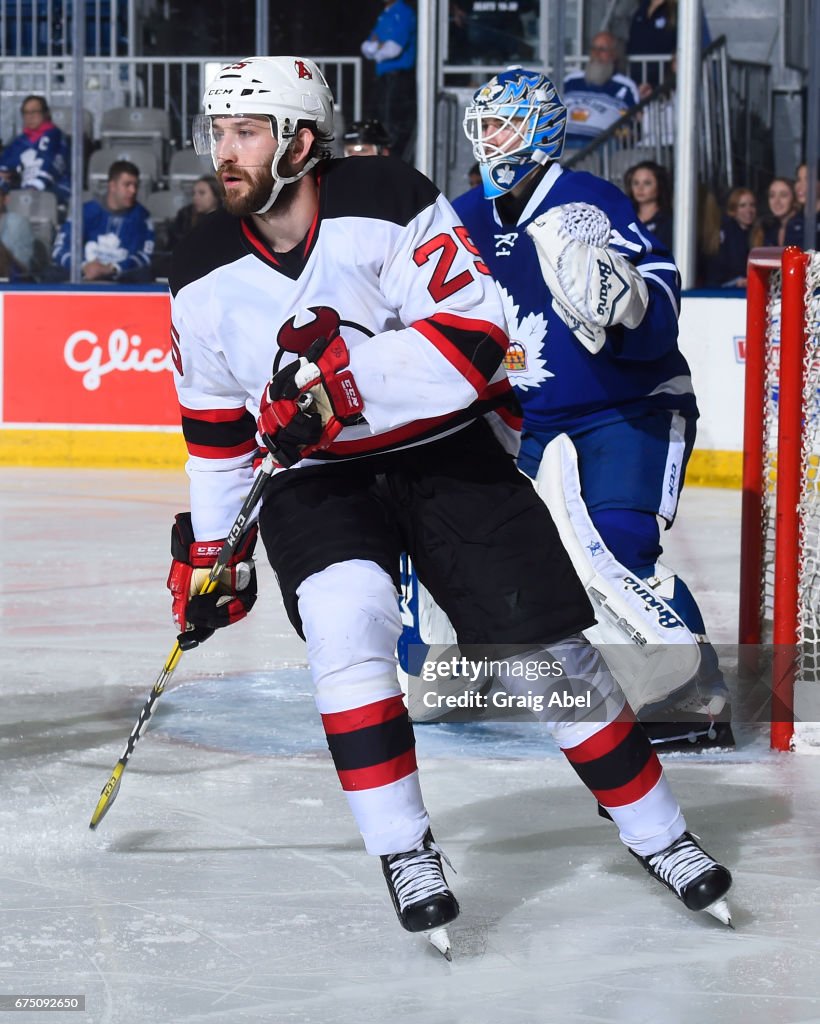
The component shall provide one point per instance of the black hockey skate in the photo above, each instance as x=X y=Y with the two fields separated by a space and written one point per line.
x=695 y=877
x=419 y=891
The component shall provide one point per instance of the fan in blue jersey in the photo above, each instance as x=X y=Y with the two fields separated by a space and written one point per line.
x=599 y=95
x=392 y=46
x=118 y=234
x=38 y=158
x=592 y=305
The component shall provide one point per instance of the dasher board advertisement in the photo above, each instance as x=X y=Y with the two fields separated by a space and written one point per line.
x=87 y=358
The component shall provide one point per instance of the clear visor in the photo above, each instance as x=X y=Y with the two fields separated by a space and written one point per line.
x=501 y=131
x=242 y=132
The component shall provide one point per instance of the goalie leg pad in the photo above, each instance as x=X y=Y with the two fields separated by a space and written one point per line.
x=647 y=645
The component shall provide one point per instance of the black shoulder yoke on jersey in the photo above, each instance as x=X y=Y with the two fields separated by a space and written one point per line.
x=381 y=188
x=378 y=187
x=215 y=241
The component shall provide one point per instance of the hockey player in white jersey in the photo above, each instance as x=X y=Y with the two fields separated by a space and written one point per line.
x=341 y=307
x=592 y=305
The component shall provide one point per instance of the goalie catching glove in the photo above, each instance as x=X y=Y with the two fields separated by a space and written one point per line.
x=197 y=615
x=592 y=286
x=307 y=402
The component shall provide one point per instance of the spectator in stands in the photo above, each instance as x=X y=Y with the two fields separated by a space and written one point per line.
x=597 y=96
x=795 y=229
x=38 y=158
x=16 y=241
x=206 y=198
x=392 y=45
x=649 y=187
x=474 y=176
x=783 y=206
x=727 y=268
x=118 y=236
x=654 y=31
x=366 y=138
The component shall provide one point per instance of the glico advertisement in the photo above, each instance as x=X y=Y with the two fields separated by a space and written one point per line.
x=87 y=358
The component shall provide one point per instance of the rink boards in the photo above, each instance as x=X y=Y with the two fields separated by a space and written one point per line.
x=86 y=379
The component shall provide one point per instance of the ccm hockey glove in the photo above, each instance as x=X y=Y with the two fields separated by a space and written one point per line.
x=197 y=616
x=593 y=287
x=306 y=403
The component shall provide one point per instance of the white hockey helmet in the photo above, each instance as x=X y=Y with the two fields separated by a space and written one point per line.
x=290 y=91
x=522 y=103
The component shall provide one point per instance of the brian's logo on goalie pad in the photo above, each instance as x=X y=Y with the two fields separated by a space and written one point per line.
x=606 y=302
x=664 y=615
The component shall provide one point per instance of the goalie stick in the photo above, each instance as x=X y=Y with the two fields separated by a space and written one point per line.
x=112 y=787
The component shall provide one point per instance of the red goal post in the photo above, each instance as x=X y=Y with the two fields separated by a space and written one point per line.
x=780 y=530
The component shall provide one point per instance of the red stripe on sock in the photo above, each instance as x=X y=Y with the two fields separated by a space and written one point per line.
x=380 y=774
x=638 y=787
x=363 y=717
x=604 y=741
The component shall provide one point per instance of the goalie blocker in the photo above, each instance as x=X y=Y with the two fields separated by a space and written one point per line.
x=651 y=652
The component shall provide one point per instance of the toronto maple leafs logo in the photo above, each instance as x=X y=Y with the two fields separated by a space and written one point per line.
x=504 y=174
x=107 y=248
x=525 y=363
x=31 y=168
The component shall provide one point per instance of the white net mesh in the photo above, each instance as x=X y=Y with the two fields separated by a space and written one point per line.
x=808 y=596
x=809 y=508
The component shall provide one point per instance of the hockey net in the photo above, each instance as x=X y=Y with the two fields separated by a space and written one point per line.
x=780 y=545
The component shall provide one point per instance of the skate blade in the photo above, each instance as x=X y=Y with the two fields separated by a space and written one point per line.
x=440 y=938
x=720 y=910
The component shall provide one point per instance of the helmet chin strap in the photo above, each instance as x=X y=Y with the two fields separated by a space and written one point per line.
x=279 y=183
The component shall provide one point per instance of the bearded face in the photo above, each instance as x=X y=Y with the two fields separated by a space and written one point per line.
x=251 y=187
x=597 y=72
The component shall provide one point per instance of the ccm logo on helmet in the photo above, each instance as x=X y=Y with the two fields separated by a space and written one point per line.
x=302 y=70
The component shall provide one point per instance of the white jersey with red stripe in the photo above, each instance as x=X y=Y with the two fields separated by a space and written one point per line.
x=386 y=264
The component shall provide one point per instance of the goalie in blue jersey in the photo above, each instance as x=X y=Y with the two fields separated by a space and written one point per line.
x=592 y=303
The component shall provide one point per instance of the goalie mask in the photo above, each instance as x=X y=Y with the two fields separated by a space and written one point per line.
x=515 y=121
x=290 y=91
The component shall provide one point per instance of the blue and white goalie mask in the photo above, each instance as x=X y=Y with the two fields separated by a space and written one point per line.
x=516 y=121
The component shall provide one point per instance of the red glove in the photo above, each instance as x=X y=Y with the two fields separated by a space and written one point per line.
x=306 y=404
x=197 y=616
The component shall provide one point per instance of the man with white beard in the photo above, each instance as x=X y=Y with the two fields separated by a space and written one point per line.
x=597 y=96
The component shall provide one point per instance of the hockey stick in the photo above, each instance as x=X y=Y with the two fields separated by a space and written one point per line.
x=111 y=788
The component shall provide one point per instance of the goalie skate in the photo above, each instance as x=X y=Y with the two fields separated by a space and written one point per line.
x=420 y=894
x=692 y=875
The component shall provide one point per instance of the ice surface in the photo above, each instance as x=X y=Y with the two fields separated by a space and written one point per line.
x=228 y=883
